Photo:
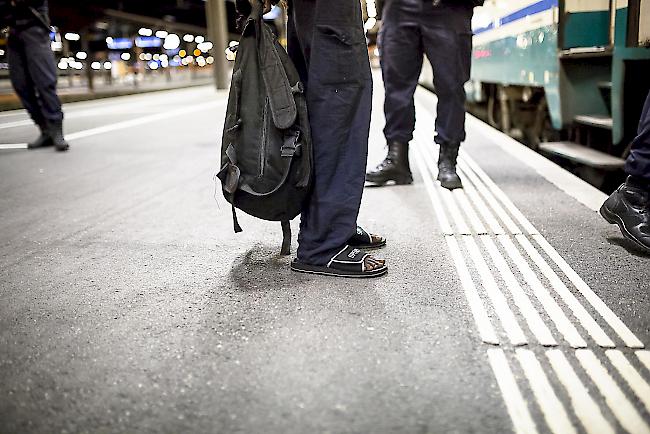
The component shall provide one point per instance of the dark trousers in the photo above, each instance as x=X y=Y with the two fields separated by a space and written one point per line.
x=327 y=43
x=411 y=29
x=638 y=162
x=33 y=75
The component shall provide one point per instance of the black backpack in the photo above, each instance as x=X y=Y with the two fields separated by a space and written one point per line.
x=266 y=152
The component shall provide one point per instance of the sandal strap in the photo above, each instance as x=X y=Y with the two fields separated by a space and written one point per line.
x=362 y=237
x=349 y=259
x=363 y=233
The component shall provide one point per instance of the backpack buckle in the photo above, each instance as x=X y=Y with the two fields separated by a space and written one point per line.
x=298 y=88
x=291 y=147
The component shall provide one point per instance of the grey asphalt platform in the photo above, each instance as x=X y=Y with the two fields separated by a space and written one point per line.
x=127 y=304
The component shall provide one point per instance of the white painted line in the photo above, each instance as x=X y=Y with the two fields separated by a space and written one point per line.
x=608 y=315
x=427 y=154
x=114 y=109
x=433 y=195
x=528 y=311
x=554 y=413
x=644 y=357
x=564 y=180
x=13 y=146
x=490 y=199
x=16 y=124
x=143 y=120
x=13 y=113
x=627 y=415
x=564 y=326
x=584 y=406
x=631 y=376
x=603 y=310
x=483 y=324
x=481 y=206
x=456 y=217
x=461 y=225
x=510 y=325
x=515 y=403
x=488 y=335
x=129 y=102
x=585 y=319
x=496 y=191
x=474 y=220
x=485 y=328
x=617 y=325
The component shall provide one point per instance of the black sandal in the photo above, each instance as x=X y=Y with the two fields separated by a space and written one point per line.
x=364 y=240
x=349 y=262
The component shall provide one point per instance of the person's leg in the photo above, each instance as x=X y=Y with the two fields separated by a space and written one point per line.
x=638 y=162
x=629 y=206
x=448 y=44
x=339 y=91
x=42 y=70
x=401 y=54
x=24 y=87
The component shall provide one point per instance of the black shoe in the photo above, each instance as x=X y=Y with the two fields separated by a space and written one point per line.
x=629 y=208
x=42 y=141
x=447 y=175
x=395 y=166
x=56 y=132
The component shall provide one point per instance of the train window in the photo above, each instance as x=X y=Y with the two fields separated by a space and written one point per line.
x=585 y=23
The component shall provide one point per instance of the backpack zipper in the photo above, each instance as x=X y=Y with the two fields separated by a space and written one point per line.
x=264 y=137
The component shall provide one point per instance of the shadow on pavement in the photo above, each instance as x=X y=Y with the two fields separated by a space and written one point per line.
x=260 y=269
x=631 y=248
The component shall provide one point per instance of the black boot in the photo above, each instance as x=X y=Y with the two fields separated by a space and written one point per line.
x=629 y=208
x=394 y=168
x=56 y=132
x=43 y=140
x=447 y=175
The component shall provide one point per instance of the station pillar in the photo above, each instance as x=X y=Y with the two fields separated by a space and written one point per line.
x=218 y=33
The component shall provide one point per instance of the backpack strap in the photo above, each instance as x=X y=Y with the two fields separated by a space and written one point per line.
x=231 y=183
x=283 y=105
x=235 y=220
x=286 y=238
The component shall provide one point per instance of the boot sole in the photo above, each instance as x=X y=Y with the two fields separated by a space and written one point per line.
x=299 y=267
x=613 y=219
x=399 y=181
x=46 y=145
x=451 y=185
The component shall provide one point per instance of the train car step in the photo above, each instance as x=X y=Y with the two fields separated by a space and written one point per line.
x=583 y=155
x=596 y=121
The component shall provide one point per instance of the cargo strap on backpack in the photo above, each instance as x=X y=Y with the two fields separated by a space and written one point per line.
x=286 y=238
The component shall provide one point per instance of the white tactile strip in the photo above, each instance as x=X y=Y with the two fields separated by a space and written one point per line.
x=581 y=364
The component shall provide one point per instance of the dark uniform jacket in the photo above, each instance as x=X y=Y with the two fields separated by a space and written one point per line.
x=22 y=14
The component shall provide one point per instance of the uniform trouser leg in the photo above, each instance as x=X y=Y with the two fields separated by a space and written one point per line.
x=21 y=79
x=327 y=35
x=638 y=162
x=36 y=75
x=401 y=63
x=449 y=49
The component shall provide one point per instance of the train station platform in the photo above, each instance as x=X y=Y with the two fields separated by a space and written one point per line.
x=128 y=305
x=78 y=90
